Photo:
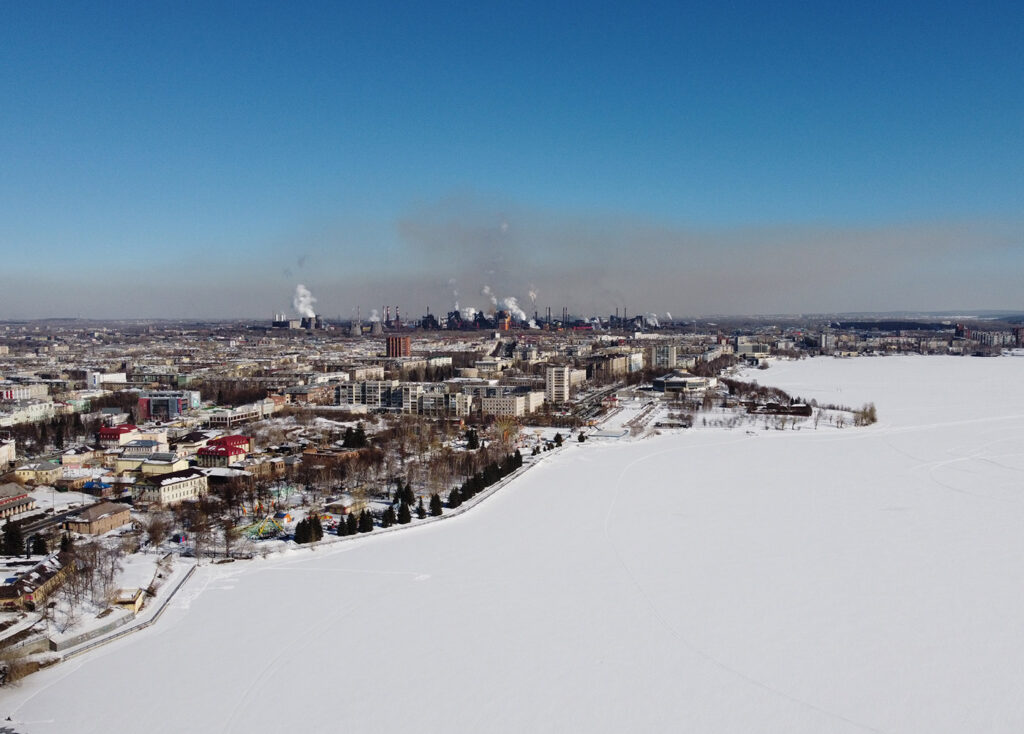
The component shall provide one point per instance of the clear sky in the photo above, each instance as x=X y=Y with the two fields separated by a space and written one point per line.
x=202 y=159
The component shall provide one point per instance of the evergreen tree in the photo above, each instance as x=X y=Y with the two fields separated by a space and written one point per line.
x=408 y=496
x=404 y=514
x=388 y=518
x=66 y=546
x=39 y=546
x=435 y=505
x=352 y=524
x=14 y=543
x=365 y=522
x=342 y=528
x=421 y=511
x=519 y=458
x=472 y=440
x=302 y=533
x=359 y=437
x=454 y=498
x=316 y=529
x=349 y=438
x=558 y=439
x=583 y=437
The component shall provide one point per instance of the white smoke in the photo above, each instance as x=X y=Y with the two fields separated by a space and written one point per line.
x=652 y=320
x=533 y=324
x=303 y=301
x=469 y=313
x=512 y=306
x=533 y=297
x=374 y=315
x=486 y=291
x=668 y=315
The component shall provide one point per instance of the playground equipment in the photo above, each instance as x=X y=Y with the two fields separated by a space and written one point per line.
x=268 y=527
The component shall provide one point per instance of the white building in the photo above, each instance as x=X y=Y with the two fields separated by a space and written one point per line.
x=172 y=488
x=8 y=454
x=557 y=383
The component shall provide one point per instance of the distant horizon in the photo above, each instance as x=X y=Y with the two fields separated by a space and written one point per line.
x=682 y=319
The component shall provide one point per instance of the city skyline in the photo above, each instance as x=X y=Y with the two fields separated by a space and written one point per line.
x=201 y=161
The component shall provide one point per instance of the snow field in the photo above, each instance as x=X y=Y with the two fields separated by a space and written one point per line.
x=864 y=579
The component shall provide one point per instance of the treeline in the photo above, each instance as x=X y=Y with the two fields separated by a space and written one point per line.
x=231 y=393
x=753 y=391
x=481 y=480
x=57 y=432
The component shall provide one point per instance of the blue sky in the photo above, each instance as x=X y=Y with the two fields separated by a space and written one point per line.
x=202 y=159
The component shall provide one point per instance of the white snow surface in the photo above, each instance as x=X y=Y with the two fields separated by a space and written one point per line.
x=854 y=580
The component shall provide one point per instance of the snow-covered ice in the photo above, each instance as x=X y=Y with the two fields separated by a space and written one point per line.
x=714 y=580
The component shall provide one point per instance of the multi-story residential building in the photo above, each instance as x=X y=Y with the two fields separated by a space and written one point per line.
x=663 y=356
x=399 y=346
x=556 y=383
x=505 y=405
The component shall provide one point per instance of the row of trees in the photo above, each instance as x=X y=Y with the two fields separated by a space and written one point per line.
x=309 y=530
x=481 y=480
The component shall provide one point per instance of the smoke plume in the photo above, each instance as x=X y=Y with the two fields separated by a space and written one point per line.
x=512 y=306
x=486 y=291
x=303 y=302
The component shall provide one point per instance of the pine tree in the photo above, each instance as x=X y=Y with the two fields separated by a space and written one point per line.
x=408 y=495
x=388 y=518
x=352 y=524
x=14 y=543
x=518 y=458
x=365 y=522
x=39 y=546
x=421 y=511
x=404 y=514
x=316 y=529
x=558 y=439
x=342 y=528
x=66 y=545
x=583 y=437
x=454 y=498
x=472 y=440
x=435 y=505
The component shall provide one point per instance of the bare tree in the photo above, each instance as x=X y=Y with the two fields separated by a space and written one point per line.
x=157 y=525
